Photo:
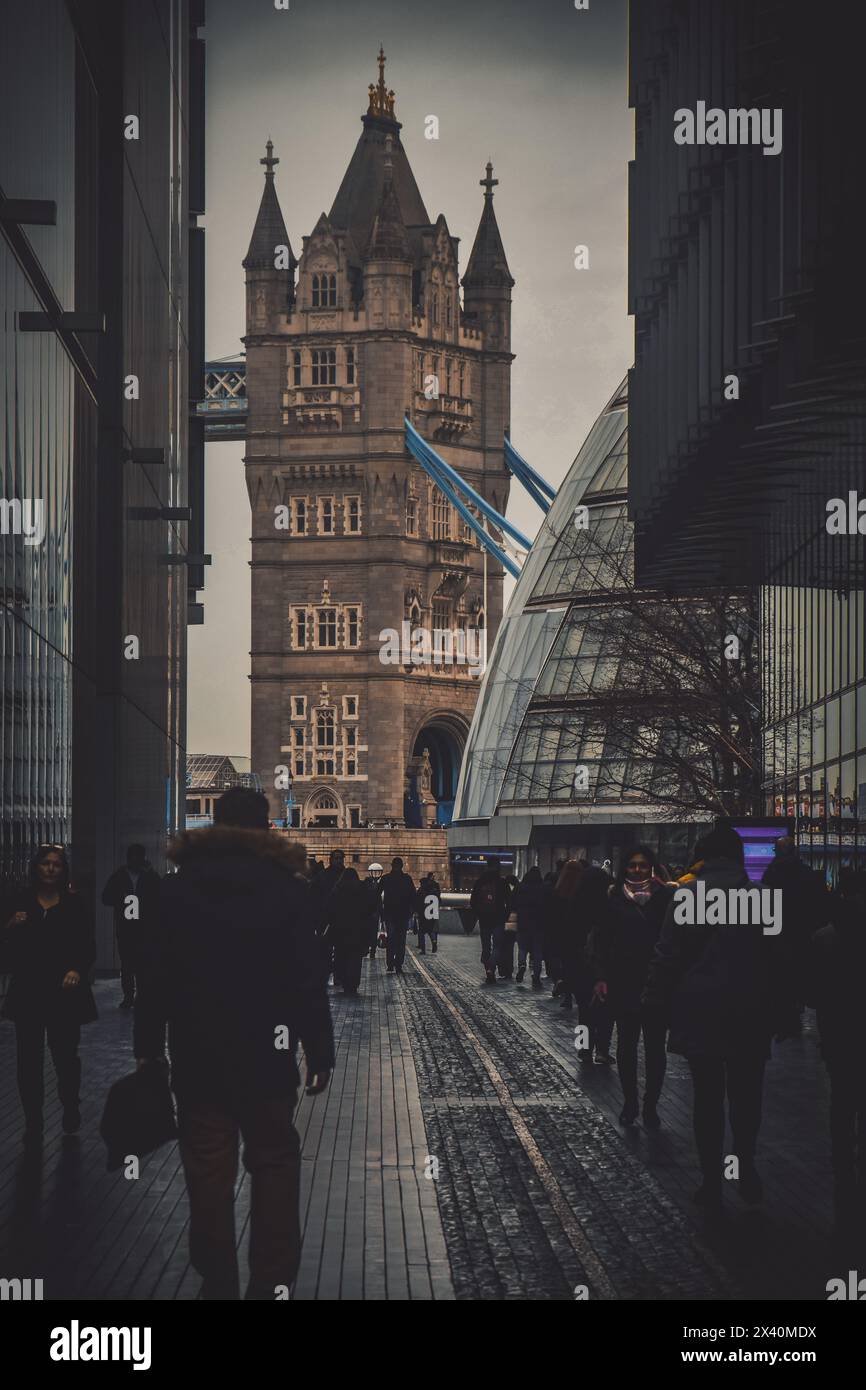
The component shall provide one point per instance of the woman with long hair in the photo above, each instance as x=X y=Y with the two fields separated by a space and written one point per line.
x=48 y=947
x=558 y=926
x=622 y=952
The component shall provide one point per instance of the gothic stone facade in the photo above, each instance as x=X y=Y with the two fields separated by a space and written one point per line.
x=349 y=537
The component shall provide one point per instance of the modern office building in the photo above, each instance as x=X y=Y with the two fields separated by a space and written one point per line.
x=544 y=708
x=350 y=539
x=748 y=286
x=102 y=273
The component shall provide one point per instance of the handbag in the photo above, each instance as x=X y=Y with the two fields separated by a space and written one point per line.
x=139 y=1115
x=511 y=924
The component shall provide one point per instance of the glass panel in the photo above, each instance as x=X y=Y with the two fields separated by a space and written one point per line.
x=832 y=729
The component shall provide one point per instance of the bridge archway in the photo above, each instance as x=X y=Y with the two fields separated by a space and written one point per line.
x=324 y=810
x=443 y=737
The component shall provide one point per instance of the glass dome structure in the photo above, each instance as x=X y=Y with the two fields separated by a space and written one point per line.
x=538 y=716
x=512 y=752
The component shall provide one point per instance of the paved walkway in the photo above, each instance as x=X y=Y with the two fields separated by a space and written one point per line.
x=460 y=1152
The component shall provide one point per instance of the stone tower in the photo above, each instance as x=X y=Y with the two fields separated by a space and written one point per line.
x=351 y=542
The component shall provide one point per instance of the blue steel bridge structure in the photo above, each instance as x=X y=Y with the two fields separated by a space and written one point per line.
x=224 y=410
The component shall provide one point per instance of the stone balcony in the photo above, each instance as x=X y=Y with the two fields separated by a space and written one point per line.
x=445 y=417
x=320 y=407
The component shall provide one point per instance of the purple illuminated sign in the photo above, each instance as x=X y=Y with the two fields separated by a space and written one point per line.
x=759 y=840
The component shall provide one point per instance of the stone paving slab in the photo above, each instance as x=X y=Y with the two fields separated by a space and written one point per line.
x=371 y=1222
x=782 y=1250
x=539 y=1190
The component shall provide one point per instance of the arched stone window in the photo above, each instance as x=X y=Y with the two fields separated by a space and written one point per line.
x=324 y=291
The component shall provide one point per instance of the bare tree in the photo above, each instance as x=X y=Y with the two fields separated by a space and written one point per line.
x=655 y=695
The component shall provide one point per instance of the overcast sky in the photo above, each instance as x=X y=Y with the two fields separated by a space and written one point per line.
x=539 y=88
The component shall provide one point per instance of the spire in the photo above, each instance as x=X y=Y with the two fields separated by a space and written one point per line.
x=270 y=229
x=389 y=240
x=487 y=263
x=359 y=197
x=381 y=99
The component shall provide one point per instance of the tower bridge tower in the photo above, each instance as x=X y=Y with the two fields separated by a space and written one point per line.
x=349 y=537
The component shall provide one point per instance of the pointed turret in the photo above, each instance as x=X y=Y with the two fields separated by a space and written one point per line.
x=488 y=282
x=269 y=267
x=388 y=258
x=269 y=233
x=389 y=240
x=487 y=264
x=359 y=197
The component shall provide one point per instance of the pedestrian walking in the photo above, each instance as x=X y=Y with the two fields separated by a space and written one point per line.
x=508 y=940
x=373 y=906
x=427 y=906
x=805 y=904
x=348 y=925
x=623 y=948
x=529 y=908
x=132 y=892
x=552 y=875
x=398 y=902
x=833 y=984
x=726 y=990
x=590 y=909
x=323 y=887
x=48 y=947
x=490 y=902
x=231 y=964
x=560 y=924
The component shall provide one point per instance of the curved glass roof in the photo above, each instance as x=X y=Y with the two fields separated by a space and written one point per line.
x=532 y=724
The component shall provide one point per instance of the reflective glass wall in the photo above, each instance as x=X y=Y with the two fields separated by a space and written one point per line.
x=95 y=602
x=37 y=433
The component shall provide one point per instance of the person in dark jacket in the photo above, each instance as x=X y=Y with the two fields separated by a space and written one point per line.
x=323 y=887
x=552 y=875
x=372 y=886
x=560 y=924
x=490 y=902
x=833 y=984
x=589 y=912
x=427 y=905
x=349 y=928
x=622 y=951
x=398 y=902
x=529 y=906
x=726 y=990
x=232 y=965
x=48 y=947
x=804 y=900
x=132 y=891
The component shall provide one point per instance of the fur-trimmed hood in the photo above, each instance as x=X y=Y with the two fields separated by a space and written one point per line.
x=219 y=841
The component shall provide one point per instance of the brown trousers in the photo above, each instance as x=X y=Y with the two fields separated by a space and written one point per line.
x=209 y=1133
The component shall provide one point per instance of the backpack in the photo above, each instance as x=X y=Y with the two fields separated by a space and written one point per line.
x=487 y=899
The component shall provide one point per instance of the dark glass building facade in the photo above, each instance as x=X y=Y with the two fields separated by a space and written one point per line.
x=748 y=285
x=101 y=268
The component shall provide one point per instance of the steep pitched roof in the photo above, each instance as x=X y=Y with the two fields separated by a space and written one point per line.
x=270 y=229
x=487 y=263
x=389 y=240
x=359 y=197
